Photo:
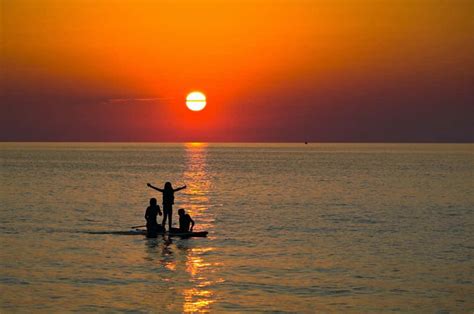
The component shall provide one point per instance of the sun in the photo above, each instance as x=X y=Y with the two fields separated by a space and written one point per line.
x=196 y=101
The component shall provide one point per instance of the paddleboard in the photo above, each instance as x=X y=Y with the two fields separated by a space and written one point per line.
x=175 y=234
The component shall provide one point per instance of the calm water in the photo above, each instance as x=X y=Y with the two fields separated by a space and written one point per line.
x=292 y=228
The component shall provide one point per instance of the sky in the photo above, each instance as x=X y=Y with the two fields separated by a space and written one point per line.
x=272 y=70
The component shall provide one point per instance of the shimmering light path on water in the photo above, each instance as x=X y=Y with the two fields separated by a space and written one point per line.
x=292 y=228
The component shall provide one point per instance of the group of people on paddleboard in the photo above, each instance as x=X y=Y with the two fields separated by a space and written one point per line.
x=186 y=223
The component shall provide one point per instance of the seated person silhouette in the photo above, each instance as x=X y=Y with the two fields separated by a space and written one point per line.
x=186 y=223
x=152 y=226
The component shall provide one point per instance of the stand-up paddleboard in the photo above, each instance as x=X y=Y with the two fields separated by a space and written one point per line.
x=143 y=232
x=175 y=234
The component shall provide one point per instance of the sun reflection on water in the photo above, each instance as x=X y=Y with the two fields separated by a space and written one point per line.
x=199 y=182
x=198 y=298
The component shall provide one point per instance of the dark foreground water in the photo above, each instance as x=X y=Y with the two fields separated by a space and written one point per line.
x=292 y=228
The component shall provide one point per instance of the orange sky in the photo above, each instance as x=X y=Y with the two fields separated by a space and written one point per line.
x=121 y=68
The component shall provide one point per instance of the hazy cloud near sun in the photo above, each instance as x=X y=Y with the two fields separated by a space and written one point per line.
x=132 y=100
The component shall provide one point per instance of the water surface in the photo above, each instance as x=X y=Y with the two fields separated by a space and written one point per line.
x=292 y=228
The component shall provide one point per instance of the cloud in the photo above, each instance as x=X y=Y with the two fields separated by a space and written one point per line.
x=132 y=100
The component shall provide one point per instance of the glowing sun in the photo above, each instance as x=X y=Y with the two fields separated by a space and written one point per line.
x=196 y=101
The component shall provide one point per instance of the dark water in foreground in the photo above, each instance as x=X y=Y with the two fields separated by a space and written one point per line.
x=292 y=228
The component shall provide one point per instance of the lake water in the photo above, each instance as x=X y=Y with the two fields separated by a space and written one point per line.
x=292 y=228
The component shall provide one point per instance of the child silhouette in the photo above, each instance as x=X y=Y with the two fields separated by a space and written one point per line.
x=168 y=201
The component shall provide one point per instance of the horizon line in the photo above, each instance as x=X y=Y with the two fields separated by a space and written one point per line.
x=247 y=142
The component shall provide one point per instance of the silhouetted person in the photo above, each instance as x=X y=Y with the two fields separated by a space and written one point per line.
x=184 y=221
x=152 y=227
x=168 y=201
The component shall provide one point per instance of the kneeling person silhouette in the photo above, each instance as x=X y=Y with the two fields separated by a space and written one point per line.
x=152 y=226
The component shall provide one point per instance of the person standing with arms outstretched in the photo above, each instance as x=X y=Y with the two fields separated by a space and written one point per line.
x=168 y=201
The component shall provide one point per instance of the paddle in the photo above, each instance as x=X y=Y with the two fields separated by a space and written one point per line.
x=134 y=227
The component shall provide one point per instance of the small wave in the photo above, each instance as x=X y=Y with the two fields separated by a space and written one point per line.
x=14 y=281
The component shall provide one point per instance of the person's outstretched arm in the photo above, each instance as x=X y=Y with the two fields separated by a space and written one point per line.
x=154 y=187
x=183 y=187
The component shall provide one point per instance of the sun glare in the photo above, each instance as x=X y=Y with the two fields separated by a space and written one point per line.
x=196 y=101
